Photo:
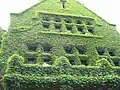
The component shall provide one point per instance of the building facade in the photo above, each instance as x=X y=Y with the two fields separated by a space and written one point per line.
x=60 y=45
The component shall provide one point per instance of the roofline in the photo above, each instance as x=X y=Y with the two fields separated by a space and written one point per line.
x=97 y=15
x=76 y=1
x=25 y=10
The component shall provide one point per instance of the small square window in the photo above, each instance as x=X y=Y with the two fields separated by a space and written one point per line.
x=117 y=62
x=112 y=52
x=69 y=49
x=47 y=59
x=46 y=18
x=84 y=62
x=57 y=19
x=47 y=47
x=31 y=59
x=81 y=49
x=68 y=20
x=81 y=29
x=58 y=27
x=34 y=19
x=71 y=60
x=101 y=51
x=69 y=27
x=32 y=47
x=46 y=25
x=90 y=30
x=79 y=22
x=89 y=23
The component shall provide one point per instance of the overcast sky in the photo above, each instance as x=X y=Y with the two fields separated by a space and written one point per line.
x=107 y=9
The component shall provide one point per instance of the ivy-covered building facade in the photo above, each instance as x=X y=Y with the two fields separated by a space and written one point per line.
x=60 y=45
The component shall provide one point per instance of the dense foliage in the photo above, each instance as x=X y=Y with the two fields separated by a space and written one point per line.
x=68 y=46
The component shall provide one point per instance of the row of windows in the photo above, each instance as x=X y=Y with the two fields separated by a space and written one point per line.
x=70 y=49
x=45 y=47
x=102 y=51
x=66 y=20
x=58 y=27
x=47 y=59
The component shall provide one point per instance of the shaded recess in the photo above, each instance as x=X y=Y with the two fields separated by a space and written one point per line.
x=101 y=50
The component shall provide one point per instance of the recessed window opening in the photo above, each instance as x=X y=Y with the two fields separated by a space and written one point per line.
x=34 y=19
x=81 y=49
x=117 y=63
x=46 y=18
x=71 y=60
x=84 y=62
x=90 y=30
x=112 y=52
x=68 y=20
x=32 y=47
x=78 y=22
x=69 y=49
x=47 y=47
x=80 y=29
x=57 y=19
x=101 y=51
x=31 y=59
x=58 y=27
x=46 y=59
x=69 y=27
x=89 y=23
x=46 y=25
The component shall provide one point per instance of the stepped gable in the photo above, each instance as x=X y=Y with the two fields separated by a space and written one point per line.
x=60 y=45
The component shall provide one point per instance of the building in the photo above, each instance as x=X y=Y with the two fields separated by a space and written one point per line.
x=60 y=45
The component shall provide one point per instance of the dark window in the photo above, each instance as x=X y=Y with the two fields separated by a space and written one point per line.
x=81 y=49
x=46 y=59
x=69 y=27
x=71 y=60
x=117 y=62
x=46 y=47
x=31 y=59
x=58 y=27
x=78 y=22
x=89 y=23
x=90 y=30
x=68 y=20
x=69 y=49
x=80 y=29
x=112 y=52
x=84 y=62
x=101 y=50
x=57 y=19
x=46 y=25
x=46 y=18
x=32 y=47
x=34 y=19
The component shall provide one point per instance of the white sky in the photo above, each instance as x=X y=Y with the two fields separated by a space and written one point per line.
x=107 y=9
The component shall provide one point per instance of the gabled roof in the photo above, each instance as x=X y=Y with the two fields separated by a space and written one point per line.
x=71 y=7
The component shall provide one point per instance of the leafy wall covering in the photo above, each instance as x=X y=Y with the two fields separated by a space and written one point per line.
x=56 y=47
